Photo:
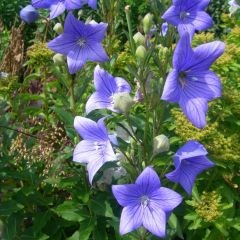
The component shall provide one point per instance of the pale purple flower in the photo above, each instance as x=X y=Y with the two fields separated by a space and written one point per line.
x=106 y=87
x=29 y=14
x=188 y=15
x=57 y=7
x=80 y=42
x=189 y=161
x=234 y=6
x=164 y=29
x=145 y=203
x=191 y=83
x=95 y=149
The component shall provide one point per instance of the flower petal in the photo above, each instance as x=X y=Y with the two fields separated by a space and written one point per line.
x=41 y=3
x=148 y=181
x=63 y=44
x=154 y=220
x=92 y=4
x=96 y=31
x=74 y=26
x=131 y=218
x=201 y=20
x=127 y=194
x=93 y=166
x=203 y=84
x=195 y=109
x=76 y=59
x=184 y=28
x=165 y=198
x=172 y=15
x=172 y=88
x=57 y=9
x=104 y=82
x=73 y=4
x=183 y=53
x=122 y=85
x=99 y=101
x=96 y=52
x=89 y=130
x=206 y=54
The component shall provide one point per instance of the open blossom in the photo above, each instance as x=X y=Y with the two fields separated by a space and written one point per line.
x=107 y=87
x=188 y=15
x=189 y=161
x=57 y=7
x=95 y=149
x=145 y=203
x=80 y=42
x=191 y=83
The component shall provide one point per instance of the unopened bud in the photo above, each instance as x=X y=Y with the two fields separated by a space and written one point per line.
x=122 y=102
x=141 y=52
x=127 y=8
x=160 y=144
x=80 y=13
x=147 y=23
x=58 y=28
x=163 y=53
x=59 y=59
x=139 y=39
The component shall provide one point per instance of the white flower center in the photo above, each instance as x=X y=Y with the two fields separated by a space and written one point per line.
x=81 y=42
x=184 y=14
x=182 y=78
x=145 y=201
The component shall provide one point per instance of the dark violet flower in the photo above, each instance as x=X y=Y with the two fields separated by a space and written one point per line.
x=107 y=87
x=29 y=14
x=80 y=42
x=189 y=161
x=57 y=7
x=191 y=83
x=188 y=15
x=95 y=149
x=145 y=203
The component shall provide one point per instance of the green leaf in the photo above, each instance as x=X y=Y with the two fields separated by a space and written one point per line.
x=71 y=211
x=86 y=228
x=174 y=223
x=65 y=117
x=7 y=208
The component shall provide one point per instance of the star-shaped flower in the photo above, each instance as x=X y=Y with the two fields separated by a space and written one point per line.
x=191 y=83
x=189 y=161
x=57 y=7
x=145 y=203
x=106 y=87
x=80 y=42
x=188 y=15
x=95 y=149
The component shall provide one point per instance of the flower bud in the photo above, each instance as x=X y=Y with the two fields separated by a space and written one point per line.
x=58 y=28
x=80 y=13
x=122 y=102
x=139 y=39
x=59 y=59
x=163 y=53
x=141 y=52
x=127 y=8
x=147 y=23
x=160 y=144
x=29 y=14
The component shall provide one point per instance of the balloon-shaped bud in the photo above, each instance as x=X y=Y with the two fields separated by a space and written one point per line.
x=141 y=52
x=139 y=39
x=160 y=144
x=147 y=23
x=29 y=14
x=122 y=102
x=58 y=28
x=59 y=59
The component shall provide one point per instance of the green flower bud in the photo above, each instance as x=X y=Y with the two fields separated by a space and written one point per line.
x=59 y=59
x=127 y=8
x=122 y=102
x=58 y=28
x=163 y=53
x=139 y=39
x=147 y=23
x=80 y=13
x=160 y=144
x=141 y=52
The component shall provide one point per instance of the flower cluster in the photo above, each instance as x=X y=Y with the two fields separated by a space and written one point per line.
x=190 y=83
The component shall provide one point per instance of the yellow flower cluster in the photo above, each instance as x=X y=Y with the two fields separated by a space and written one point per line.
x=208 y=208
x=39 y=54
x=220 y=146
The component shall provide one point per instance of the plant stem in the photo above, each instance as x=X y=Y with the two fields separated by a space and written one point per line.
x=130 y=31
x=72 y=98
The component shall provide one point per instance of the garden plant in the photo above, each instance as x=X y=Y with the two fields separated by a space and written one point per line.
x=119 y=119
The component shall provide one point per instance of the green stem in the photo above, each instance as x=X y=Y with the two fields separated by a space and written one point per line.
x=130 y=31
x=72 y=98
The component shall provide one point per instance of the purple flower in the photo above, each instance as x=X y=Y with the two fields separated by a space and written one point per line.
x=80 y=42
x=190 y=160
x=164 y=29
x=191 y=83
x=145 y=203
x=188 y=15
x=106 y=87
x=57 y=7
x=95 y=149
x=29 y=14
